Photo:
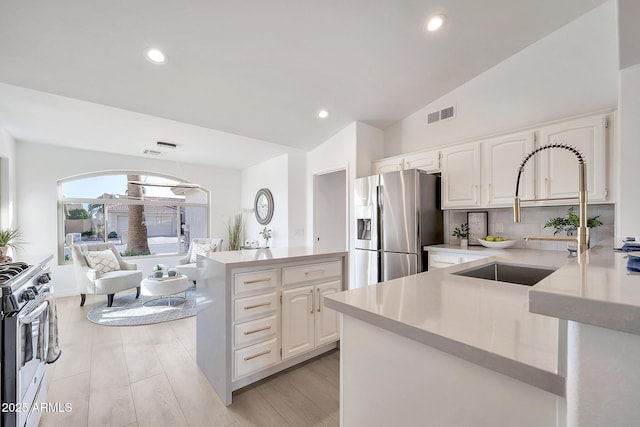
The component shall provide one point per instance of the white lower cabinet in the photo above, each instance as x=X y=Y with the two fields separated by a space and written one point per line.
x=257 y=317
x=443 y=259
x=256 y=357
x=306 y=323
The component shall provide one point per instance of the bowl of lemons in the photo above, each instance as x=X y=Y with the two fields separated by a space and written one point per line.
x=497 y=242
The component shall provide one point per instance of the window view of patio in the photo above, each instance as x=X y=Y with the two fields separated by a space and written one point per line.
x=141 y=214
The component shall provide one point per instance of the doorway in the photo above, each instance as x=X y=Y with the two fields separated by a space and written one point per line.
x=330 y=210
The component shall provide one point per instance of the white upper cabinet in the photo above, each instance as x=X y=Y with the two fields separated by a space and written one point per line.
x=461 y=176
x=500 y=160
x=428 y=161
x=558 y=169
x=388 y=165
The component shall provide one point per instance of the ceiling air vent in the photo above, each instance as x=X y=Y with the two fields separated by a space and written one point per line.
x=447 y=113
x=433 y=117
x=444 y=114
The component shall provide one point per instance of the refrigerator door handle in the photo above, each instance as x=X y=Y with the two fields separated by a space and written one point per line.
x=379 y=191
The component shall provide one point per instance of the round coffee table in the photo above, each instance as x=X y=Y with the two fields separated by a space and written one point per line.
x=164 y=287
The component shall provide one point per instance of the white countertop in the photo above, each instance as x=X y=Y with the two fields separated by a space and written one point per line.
x=482 y=321
x=512 y=329
x=251 y=256
x=597 y=292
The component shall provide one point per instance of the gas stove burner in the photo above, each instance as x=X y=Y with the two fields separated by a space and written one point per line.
x=10 y=270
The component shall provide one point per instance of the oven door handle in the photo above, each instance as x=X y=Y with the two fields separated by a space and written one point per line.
x=30 y=317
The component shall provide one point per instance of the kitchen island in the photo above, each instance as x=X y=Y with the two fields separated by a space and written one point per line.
x=453 y=350
x=261 y=311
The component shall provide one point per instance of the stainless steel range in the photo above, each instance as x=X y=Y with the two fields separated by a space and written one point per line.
x=26 y=297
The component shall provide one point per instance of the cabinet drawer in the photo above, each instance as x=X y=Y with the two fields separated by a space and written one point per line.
x=442 y=261
x=254 y=358
x=255 y=281
x=304 y=273
x=246 y=308
x=245 y=333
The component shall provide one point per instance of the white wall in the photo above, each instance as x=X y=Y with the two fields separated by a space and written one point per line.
x=351 y=149
x=7 y=180
x=297 y=199
x=628 y=212
x=272 y=174
x=369 y=147
x=336 y=153
x=569 y=72
x=40 y=166
x=628 y=207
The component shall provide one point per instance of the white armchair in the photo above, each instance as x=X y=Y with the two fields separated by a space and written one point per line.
x=94 y=281
x=187 y=265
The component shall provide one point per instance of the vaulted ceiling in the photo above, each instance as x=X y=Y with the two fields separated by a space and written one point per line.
x=244 y=80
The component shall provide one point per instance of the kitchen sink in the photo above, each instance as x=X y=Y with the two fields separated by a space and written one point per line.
x=518 y=274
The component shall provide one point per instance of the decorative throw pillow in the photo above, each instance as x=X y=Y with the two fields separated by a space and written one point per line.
x=103 y=261
x=201 y=249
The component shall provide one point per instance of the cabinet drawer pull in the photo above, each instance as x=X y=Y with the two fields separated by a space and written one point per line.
x=318 y=300
x=249 y=307
x=308 y=273
x=264 y=279
x=257 y=330
x=257 y=355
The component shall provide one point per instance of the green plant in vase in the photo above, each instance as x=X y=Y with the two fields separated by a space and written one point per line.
x=235 y=227
x=570 y=222
x=266 y=235
x=9 y=238
x=462 y=232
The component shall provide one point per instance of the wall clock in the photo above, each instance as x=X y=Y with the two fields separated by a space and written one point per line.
x=263 y=206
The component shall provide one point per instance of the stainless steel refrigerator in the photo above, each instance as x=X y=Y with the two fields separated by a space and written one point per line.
x=397 y=213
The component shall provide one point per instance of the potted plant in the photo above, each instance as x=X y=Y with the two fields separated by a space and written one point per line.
x=266 y=235
x=571 y=221
x=9 y=238
x=570 y=224
x=462 y=232
x=158 y=270
x=235 y=226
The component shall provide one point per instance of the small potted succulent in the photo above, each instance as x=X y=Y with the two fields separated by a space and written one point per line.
x=462 y=232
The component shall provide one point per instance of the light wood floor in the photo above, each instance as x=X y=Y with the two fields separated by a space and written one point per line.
x=148 y=376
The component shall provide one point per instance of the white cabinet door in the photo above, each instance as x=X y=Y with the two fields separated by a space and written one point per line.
x=297 y=321
x=327 y=326
x=387 y=165
x=558 y=169
x=439 y=260
x=428 y=161
x=501 y=158
x=461 y=176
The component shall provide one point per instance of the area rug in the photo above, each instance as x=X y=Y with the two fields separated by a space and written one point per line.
x=129 y=311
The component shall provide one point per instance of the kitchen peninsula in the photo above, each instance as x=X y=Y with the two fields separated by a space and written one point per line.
x=455 y=350
x=261 y=311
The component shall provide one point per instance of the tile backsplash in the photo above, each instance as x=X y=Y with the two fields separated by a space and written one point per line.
x=533 y=220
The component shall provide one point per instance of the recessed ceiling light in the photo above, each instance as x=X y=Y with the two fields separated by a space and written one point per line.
x=155 y=55
x=323 y=114
x=435 y=22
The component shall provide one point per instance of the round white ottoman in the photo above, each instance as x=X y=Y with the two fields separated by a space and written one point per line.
x=164 y=287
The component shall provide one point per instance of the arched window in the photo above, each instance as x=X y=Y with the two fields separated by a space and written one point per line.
x=141 y=213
